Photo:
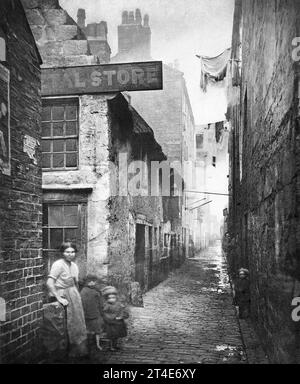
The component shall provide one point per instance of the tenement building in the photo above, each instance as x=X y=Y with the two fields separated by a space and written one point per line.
x=94 y=193
x=263 y=219
x=211 y=142
x=168 y=112
x=21 y=262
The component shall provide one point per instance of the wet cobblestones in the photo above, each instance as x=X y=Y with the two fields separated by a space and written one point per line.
x=189 y=318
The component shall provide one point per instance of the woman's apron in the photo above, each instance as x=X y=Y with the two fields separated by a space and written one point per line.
x=75 y=319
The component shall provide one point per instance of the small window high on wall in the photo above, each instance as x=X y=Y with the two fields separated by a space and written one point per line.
x=199 y=141
x=60 y=134
x=2 y=49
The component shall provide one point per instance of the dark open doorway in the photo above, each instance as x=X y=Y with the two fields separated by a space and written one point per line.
x=139 y=256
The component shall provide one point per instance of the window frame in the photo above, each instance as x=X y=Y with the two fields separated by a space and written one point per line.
x=62 y=101
x=63 y=227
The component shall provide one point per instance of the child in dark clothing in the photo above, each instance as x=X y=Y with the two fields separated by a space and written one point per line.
x=241 y=292
x=114 y=313
x=93 y=309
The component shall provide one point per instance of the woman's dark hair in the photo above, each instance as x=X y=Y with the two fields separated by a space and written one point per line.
x=68 y=244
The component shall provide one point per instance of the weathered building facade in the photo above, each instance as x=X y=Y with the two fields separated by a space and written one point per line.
x=211 y=143
x=168 y=112
x=21 y=262
x=91 y=202
x=89 y=144
x=263 y=219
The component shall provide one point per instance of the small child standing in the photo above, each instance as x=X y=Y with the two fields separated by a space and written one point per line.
x=114 y=313
x=241 y=293
x=93 y=310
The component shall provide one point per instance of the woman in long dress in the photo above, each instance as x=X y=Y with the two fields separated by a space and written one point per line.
x=63 y=286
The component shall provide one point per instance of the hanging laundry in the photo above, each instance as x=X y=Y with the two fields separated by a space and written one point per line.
x=213 y=69
x=219 y=126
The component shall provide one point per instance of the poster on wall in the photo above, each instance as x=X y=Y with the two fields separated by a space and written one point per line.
x=4 y=121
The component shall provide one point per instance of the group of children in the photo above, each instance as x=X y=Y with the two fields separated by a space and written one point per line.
x=104 y=313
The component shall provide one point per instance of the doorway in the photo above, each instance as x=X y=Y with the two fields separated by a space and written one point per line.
x=139 y=256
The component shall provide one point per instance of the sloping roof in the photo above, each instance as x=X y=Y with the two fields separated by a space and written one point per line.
x=140 y=127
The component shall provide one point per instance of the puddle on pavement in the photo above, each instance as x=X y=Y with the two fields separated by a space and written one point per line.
x=225 y=347
x=231 y=353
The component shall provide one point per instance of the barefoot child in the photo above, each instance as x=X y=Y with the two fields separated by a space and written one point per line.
x=93 y=309
x=114 y=313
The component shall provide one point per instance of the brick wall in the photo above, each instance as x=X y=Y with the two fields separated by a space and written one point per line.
x=264 y=193
x=21 y=264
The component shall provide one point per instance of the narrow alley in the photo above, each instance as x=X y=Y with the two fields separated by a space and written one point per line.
x=189 y=318
x=149 y=182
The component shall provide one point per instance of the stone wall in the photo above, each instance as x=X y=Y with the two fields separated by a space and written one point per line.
x=264 y=181
x=21 y=263
x=59 y=39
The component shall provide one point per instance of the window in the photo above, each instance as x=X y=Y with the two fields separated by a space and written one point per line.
x=2 y=49
x=199 y=141
x=155 y=237
x=60 y=223
x=214 y=159
x=60 y=134
x=64 y=218
x=173 y=241
x=165 y=240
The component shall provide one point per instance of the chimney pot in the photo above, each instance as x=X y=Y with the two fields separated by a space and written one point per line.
x=81 y=17
x=81 y=12
x=125 y=17
x=138 y=16
x=131 y=17
x=146 y=20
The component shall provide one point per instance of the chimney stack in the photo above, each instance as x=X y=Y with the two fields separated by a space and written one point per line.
x=81 y=18
x=96 y=34
x=134 y=37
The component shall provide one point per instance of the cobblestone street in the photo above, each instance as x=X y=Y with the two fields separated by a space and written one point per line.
x=189 y=318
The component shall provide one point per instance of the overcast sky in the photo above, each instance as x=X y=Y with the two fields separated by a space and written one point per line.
x=180 y=30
